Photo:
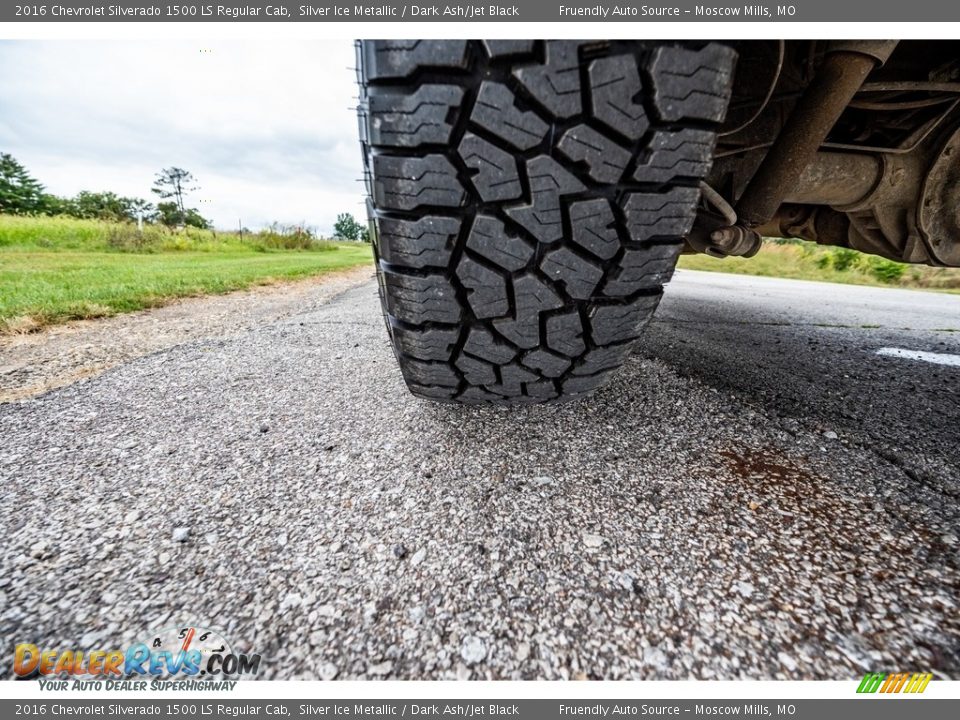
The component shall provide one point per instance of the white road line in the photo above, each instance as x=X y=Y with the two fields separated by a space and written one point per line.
x=930 y=357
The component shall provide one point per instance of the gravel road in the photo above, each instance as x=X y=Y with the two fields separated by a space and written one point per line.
x=757 y=495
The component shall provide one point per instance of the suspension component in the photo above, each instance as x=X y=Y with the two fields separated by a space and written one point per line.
x=734 y=240
x=825 y=98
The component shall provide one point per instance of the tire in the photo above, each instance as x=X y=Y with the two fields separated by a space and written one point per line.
x=528 y=200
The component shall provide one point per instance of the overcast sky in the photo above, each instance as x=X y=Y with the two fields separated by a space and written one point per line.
x=265 y=126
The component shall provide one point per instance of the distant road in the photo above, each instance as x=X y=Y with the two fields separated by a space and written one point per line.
x=758 y=494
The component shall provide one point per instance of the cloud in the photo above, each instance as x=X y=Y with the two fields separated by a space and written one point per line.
x=267 y=127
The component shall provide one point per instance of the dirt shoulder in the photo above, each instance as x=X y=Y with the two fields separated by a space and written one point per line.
x=34 y=363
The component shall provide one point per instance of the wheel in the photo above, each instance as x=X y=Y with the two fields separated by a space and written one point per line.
x=528 y=201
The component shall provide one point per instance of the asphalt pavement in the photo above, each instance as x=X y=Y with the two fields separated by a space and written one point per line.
x=760 y=493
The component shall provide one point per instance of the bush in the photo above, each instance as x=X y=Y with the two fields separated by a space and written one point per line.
x=127 y=238
x=785 y=241
x=124 y=237
x=289 y=237
x=843 y=259
x=884 y=270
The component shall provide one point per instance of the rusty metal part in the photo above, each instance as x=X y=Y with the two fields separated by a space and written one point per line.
x=724 y=242
x=719 y=203
x=836 y=179
x=939 y=210
x=858 y=201
x=734 y=240
x=914 y=141
x=809 y=222
x=879 y=50
x=838 y=79
x=911 y=86
x=888 y=105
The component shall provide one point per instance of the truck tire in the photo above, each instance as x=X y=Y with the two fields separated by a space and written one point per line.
x=528 y=200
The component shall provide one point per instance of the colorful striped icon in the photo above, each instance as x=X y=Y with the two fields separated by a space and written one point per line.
x=894 y=682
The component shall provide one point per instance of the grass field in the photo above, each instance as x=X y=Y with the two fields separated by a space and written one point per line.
x=806 y=261
x=58 y=269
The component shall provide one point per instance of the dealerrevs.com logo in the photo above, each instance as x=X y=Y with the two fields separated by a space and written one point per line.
x=910 y=683
x=172 y=658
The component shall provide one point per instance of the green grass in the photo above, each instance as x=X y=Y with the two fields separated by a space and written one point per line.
x=58 y=269
x=806 y=261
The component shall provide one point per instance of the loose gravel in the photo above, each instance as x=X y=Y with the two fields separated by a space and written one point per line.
x=281 y=485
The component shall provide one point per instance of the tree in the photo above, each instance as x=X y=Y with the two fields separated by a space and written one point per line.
x=138 y=208
x=55 y=205
x=169 y=214
x=347 y=228
x=193 y=218
x=20 y=194
x=100 y=206
x=174 y=183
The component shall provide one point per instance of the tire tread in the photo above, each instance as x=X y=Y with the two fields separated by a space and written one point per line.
x=529 y=201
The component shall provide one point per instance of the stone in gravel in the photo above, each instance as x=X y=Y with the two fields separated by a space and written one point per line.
x=291 y=600
x=744 y=588
x=522 y=652
x=542 y=480
x=382 y=668
x=327 y=611
x=163 y=558
x=830 y=435
x=788 y=662
x=949 y=539
x=328 y=671
x=418 y=557
x=264 y=428
x=131 y=517
x=400 y=551
x=472 y=650
x=181 y=534
x=592 y=541
x=656 y=657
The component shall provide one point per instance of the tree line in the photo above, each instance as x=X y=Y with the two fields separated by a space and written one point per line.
x=22 y=194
